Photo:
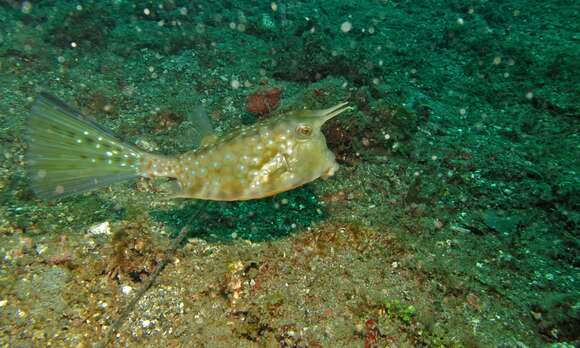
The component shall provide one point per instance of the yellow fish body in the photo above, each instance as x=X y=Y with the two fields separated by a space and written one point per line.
x=70 y=154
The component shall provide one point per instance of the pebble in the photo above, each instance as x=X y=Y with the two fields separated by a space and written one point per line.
x=126 y=289
x=102 y=228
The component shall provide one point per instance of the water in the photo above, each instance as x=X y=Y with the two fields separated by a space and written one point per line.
x=451 y=222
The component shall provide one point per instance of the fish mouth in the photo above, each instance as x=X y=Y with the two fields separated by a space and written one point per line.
x=329 y=113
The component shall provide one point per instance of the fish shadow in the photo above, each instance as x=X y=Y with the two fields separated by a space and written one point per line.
x=260 y=220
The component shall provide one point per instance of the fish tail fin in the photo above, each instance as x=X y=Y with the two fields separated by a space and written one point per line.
x=68 y=153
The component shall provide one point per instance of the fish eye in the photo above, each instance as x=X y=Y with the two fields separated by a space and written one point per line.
x=303 y=131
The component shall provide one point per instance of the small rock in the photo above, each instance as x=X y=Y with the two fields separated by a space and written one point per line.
x=126 y=289
x=103 y=228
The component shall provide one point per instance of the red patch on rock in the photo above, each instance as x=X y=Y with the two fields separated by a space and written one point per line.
x=262 y=102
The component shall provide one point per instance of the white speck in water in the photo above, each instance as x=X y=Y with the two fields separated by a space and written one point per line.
x=235 y=84
x=146 y=323
x=73 y=44
x=126 y=289
x=346 y=27
x=26 y=7
x=59 y=189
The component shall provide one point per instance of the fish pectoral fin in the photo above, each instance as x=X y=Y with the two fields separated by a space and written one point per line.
x=209 y=140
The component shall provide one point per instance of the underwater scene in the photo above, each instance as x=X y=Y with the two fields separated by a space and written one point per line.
x=290 y=173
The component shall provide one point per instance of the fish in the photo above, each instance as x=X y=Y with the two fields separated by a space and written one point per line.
x=69 y=153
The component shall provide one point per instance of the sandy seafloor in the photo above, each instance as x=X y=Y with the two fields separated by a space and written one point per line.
x=452 y=222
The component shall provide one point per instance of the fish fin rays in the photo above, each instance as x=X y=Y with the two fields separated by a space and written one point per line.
x=199 y=127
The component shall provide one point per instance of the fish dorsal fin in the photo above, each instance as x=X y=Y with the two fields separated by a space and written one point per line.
x=201 y=127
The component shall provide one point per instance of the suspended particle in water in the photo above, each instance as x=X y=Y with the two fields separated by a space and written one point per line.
x=26 y=7
x=235 y=84
x=274 y=6
x=346 y=27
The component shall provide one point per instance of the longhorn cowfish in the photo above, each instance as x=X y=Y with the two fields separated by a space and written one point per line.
x=69 y=153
